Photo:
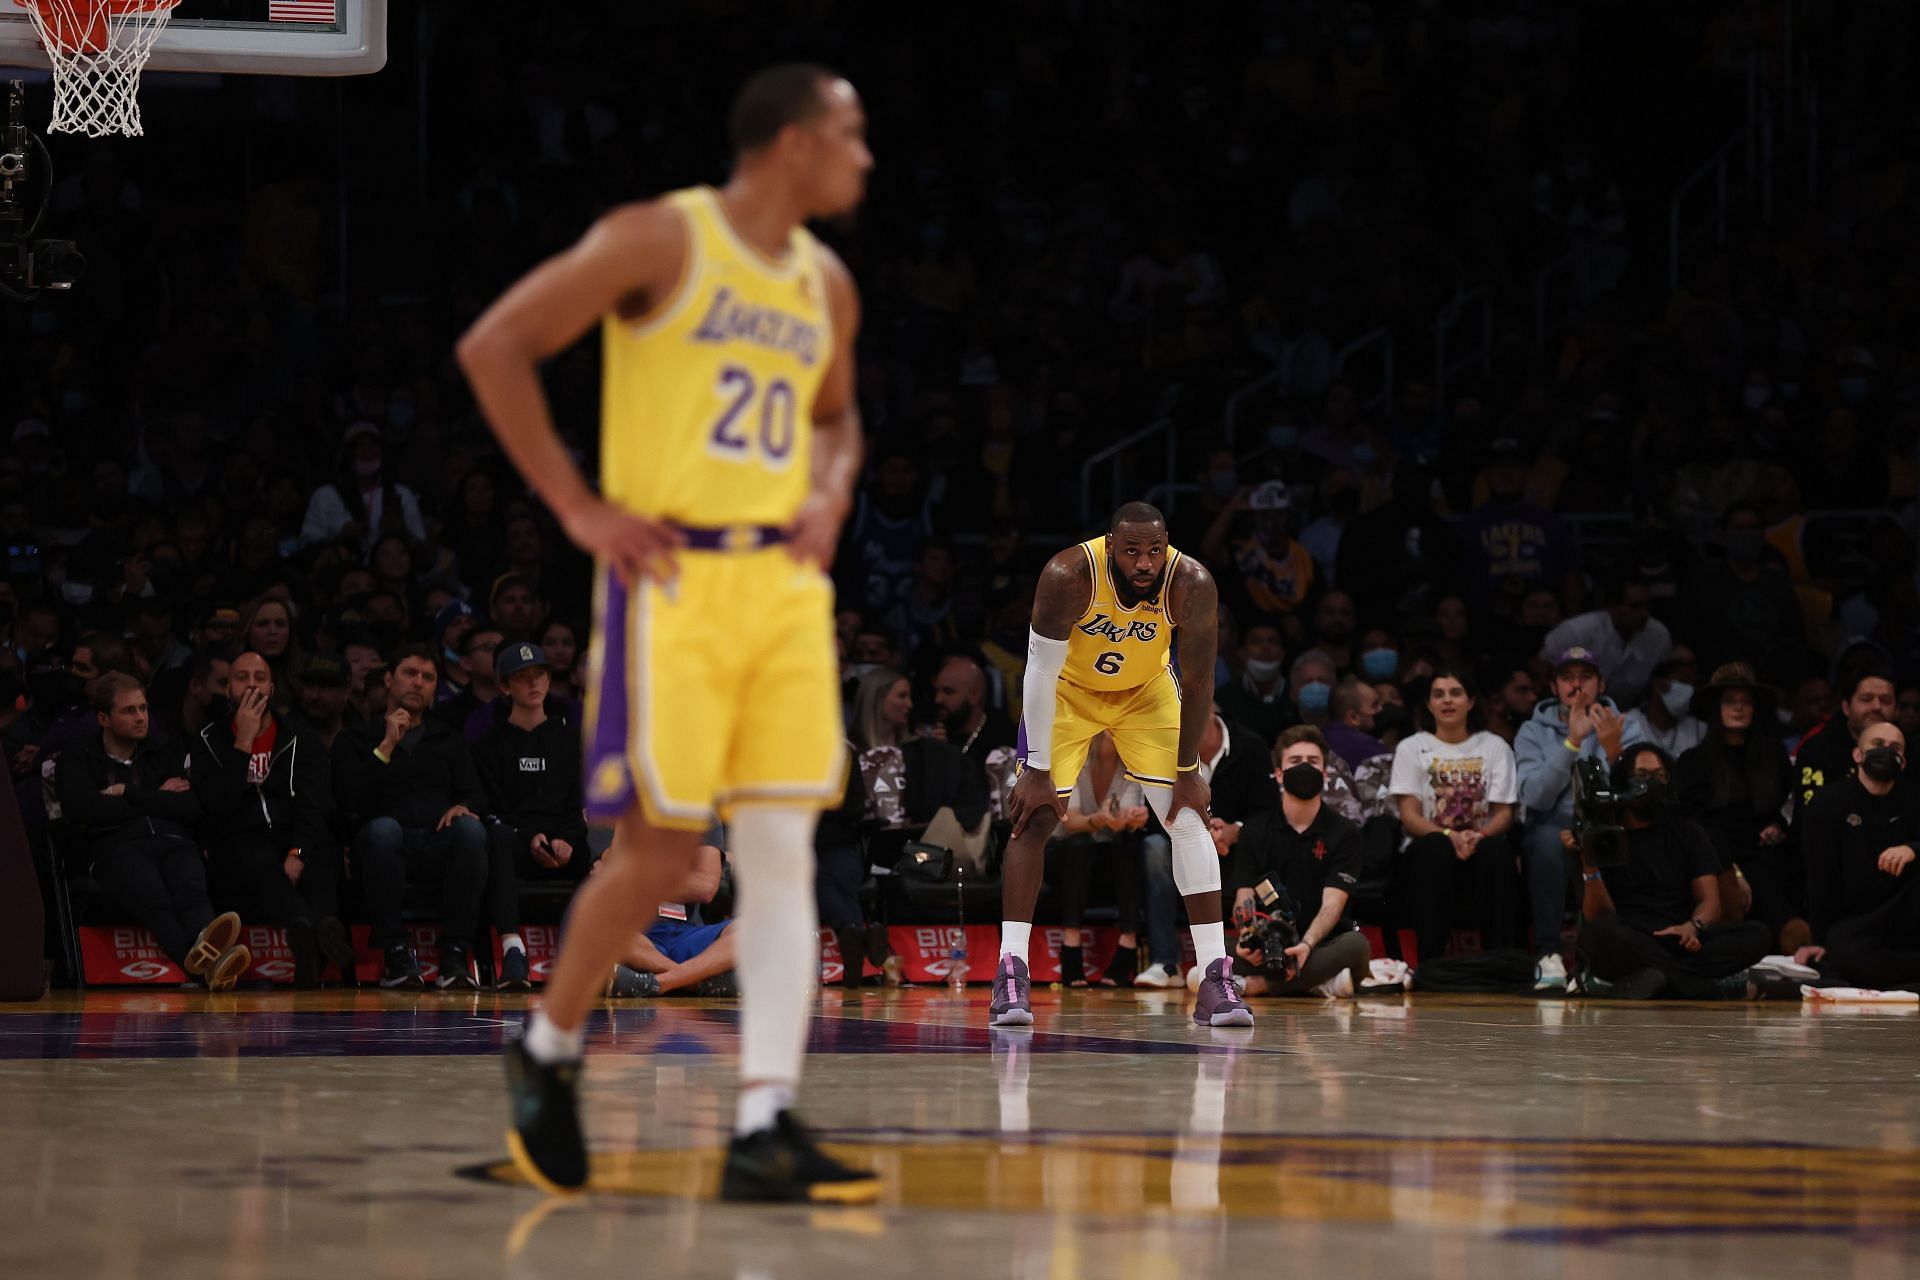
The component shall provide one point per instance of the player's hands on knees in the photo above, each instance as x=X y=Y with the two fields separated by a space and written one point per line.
x=815 y=533
x=1190 y=791
x=1032 y=792
x=636 y=546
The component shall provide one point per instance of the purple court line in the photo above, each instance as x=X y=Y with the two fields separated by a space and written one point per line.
x=428 y=1032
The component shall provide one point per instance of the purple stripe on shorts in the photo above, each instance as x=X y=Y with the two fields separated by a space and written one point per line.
x=609 y=779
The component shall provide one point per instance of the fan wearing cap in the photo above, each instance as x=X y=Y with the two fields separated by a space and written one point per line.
x=1271 y=573
x=1578 y=721
x=325 y=687
x=361 y=503
x=450 y=628
x=1737 y=784
x=529 y=766
x=1624 y=637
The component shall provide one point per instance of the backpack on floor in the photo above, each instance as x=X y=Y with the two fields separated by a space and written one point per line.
x=1489 y=972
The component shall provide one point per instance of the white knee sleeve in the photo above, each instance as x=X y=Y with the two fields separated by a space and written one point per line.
x=778 y=942
x=1196 y=863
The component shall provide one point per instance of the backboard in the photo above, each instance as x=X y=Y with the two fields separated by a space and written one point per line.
x=242 y=37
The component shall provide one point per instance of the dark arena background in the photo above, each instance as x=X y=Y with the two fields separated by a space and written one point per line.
x=1540 y=384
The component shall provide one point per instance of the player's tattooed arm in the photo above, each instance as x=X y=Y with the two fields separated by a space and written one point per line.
x=1063 y=594
x=1195 y=602
x=837 y=444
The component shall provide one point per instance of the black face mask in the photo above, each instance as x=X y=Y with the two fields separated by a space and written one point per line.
x=1303 y=781
x=1647 y=800
x=1389 y=719
x=1882 y=764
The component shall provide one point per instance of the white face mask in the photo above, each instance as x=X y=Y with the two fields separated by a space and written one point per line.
x=1263 y=670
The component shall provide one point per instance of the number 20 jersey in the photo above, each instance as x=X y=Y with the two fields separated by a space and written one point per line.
x=707 y=414
x=1113 y=647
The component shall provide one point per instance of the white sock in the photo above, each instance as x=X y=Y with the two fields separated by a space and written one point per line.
x=759 y=1105
x=1015 y=937
x=512 y=942
x=548 y=1044
x=777 y=948
x=1209 y=943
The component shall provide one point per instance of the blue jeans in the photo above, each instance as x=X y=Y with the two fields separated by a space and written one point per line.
x=1163 y=901
x=389 y=855
x=1546 y=864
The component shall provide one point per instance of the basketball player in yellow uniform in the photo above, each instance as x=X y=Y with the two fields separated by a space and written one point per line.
x=1107 y=617
x=730 y=447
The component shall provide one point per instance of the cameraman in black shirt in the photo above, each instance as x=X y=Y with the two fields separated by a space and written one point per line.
x=1652 y=925
x=1313 y=854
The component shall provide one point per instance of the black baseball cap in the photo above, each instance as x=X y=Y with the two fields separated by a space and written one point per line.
x=324 y=668
x=518 y=657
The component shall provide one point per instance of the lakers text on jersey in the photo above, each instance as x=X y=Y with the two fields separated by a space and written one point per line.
x=1118 y=679
x=720 y=686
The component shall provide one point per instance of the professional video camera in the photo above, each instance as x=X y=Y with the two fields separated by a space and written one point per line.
x=28 y=265
x=1597 y=828
x=1271 y=931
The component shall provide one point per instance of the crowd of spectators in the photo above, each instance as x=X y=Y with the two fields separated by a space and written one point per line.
x=244 y=477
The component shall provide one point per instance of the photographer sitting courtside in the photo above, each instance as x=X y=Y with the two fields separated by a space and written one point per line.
x=529 y=764
x=128 y=800
x=1652 y=925
x=408 y=786
x=1313 y=854
x=266 y=795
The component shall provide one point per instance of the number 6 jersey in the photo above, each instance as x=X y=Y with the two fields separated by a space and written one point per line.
x=708 y=400
x=1114 y=647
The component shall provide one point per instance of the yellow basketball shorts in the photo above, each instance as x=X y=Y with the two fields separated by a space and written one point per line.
x=1144 y=723
x=719 y=688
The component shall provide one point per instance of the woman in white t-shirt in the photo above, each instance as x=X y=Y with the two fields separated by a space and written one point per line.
x=1455 y=784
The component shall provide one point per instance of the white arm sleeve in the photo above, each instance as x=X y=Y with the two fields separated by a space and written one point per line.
x=1044 y=659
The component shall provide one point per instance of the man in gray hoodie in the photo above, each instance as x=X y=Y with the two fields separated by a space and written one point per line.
x=1578 y=721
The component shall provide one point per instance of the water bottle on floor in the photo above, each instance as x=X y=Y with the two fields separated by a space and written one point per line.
x=957 y=969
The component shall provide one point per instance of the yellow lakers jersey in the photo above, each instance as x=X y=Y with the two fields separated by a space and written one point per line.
x=1115 y=647
x=707 y=414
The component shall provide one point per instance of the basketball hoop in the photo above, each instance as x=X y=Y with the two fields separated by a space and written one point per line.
x=98 y=48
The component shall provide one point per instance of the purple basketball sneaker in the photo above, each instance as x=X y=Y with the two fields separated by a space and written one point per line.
x=1011 y=1007
x=1220 y=1003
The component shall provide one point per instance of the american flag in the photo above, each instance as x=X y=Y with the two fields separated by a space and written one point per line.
x=300 y=11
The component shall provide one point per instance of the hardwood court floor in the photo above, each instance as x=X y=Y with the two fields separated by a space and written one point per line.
x=350 y=1135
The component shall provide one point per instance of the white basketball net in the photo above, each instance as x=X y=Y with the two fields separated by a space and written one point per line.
x=98 y=48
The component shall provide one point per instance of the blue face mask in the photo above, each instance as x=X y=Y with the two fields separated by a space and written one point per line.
x=1283 y=437
x=1380 y=664
x=1853 y=390
x=451 y=657
x=1678 y=698
x=1314 y=696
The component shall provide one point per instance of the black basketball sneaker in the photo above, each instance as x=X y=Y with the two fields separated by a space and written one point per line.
x=545 y=1139
x=782 y=1165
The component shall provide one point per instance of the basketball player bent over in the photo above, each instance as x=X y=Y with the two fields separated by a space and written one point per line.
x=1105 y=617
x=730 y=443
